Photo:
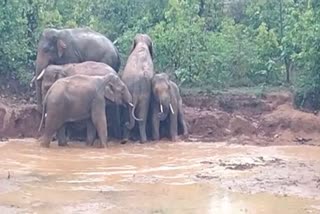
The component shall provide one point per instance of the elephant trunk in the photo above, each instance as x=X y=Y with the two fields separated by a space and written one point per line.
x=132 y=116
x=164 y=105
x=164 y=111
x=127 y=97
x=41 y=63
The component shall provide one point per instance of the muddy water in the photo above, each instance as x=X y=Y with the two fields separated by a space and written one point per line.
x=158 y=178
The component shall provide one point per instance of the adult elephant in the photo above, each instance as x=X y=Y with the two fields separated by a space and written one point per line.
x=52 y=73
x=166 y=103
x=137 y=75
x=81 y=97
x=62 y=46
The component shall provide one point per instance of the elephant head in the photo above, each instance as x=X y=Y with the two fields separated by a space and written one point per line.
x=116 y=91
x=161 y=89
x=50 y=75
x=50 y=49
x=144 y=39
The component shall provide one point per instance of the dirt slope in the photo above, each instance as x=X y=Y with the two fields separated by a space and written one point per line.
x=239 y=118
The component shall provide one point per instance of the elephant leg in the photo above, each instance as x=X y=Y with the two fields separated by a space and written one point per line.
x=98 y=116
x=114 y=119
x=173 y=126
x=52 y=124
x=45 y=141
x=143 y=113
x=155 y=125
x=116 y=123
x=125 y=118
x=91 y=133
x=61 y=135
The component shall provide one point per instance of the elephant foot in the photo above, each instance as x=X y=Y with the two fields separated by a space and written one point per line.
x=97 y=144
x=185 y=137
x=143 y=141
x=89 y=144
x=63 y=144
x=44 y=145
x=102 y=146
x=156 y=139
x=124 y=141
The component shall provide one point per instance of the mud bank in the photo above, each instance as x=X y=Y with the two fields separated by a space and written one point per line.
x=239 y=118
x=18 y=120
x=268 y=119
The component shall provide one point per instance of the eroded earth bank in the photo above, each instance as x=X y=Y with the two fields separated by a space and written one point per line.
x=245 y=154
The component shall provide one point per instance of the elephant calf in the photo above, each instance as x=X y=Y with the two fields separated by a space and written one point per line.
x=166 y=102
x=81 y=97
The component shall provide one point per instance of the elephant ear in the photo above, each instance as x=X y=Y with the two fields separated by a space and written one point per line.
x=60 y=74
x=171 y=89
x=61 y=46
x=108 y=93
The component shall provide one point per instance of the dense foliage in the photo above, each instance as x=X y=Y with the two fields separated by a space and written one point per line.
x=214 y=43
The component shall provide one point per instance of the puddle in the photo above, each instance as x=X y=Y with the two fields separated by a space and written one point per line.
x=158 y=178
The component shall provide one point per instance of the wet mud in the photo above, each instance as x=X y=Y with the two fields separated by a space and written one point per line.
x=158 y=177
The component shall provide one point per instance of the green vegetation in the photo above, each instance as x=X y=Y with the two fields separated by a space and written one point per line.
x=211 y=43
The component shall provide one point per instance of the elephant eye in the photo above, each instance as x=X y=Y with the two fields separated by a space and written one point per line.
x=47 y=48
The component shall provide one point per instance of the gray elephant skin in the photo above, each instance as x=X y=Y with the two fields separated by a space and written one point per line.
x=166 y=103
x=52 y=73
x=62 y=46
x=137 y=75
x=81 y=97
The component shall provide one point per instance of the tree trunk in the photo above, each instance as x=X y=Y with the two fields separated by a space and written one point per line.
x=289 y=67
x=201 y=8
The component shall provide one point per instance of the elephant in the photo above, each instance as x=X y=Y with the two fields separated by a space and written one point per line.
x=166 y=103
x=81 y=97
x=137 y=75
x=72 y=45
x=54 y=72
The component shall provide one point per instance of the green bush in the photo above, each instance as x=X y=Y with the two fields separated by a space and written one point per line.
x=201 y=43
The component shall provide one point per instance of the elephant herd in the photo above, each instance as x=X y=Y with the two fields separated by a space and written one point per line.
x=78 y=79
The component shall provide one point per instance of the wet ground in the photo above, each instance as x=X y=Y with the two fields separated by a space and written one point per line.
x=159 y=178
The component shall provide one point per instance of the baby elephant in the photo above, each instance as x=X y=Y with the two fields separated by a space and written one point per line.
x=166 y=102
x=81 y=97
